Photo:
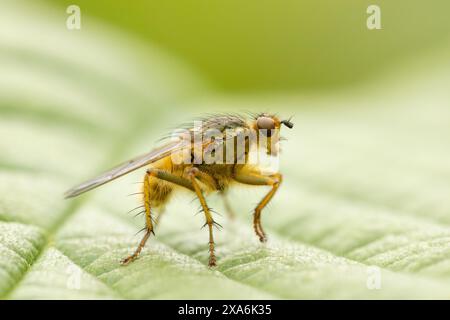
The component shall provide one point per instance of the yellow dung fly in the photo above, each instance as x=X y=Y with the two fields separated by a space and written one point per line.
x=212 y=155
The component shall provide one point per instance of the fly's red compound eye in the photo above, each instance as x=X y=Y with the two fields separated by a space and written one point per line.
x=265 y=123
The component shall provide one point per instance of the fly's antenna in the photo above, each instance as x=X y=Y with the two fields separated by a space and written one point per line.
x=288 y=123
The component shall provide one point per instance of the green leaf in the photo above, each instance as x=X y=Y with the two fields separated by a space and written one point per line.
x=365 y=182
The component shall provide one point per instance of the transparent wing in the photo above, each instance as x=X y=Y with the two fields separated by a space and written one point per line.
x=128 y=166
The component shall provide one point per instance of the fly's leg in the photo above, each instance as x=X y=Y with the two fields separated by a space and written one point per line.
x=275 y=183
x=193 y=173
x=260 y=180
x=163 y=175
x=148 y=219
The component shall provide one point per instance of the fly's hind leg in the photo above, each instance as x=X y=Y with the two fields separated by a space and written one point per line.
x=260 y=180
x=148 y=219
x=193 y=173
x=153 y=193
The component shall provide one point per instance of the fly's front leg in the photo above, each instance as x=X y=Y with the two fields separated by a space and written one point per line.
x=193 y=173
x=275 y=183
x=260 y=180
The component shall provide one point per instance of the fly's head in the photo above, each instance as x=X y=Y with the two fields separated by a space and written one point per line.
x=267 y=127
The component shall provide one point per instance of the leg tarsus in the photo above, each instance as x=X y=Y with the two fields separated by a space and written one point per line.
x=212 y=258
x=138 y=250
x=258 y=227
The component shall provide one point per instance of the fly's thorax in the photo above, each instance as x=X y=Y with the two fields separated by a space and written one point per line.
x=229 y=147
x=226 y=141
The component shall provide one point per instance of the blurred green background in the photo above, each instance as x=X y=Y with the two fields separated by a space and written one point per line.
x=260 y=45
x=366 y=167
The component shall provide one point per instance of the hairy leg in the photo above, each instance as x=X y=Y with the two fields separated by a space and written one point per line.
x=260 y=180
x=149 y=224
x=193 y=173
